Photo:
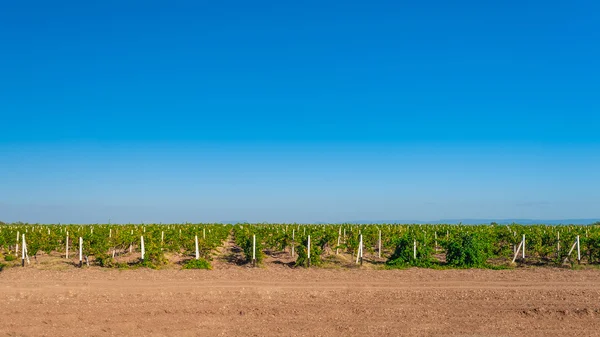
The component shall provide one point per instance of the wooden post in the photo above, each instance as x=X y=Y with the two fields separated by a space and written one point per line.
x=308 y=251
x=379 y=244
x=80 y=252
x=67 y=247
x=197 y=251
x=203 y=233
x=435 y=237
x=162 y=237
x=254 y=250
x=142 y=247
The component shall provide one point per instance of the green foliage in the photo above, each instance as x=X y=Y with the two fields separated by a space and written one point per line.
x=9 y=258
x=154 y=256
x=593 y=247
x=100 y=240
x=404 y=256
x=467 y=250
x=244 y=239
x=315 y=254
x=197 y=264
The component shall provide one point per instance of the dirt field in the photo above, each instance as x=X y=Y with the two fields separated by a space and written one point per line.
x=280 y=301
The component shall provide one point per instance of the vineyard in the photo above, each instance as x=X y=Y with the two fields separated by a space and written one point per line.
x=347 y=245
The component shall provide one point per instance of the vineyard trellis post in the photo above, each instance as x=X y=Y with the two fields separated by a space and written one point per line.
x=415 y=249
x=17 y=245
x=67 y=247
x=80 y=252
x=558 y=244
x=360 y=249
x=197 y=251
x=579 y=250
x=379 y=245
x=23 y=249
x=518 y=249
x=293 y=240
x=142 y=247
x=308 y=250
x=575 y=244
x=337 y=248
x=254 y=250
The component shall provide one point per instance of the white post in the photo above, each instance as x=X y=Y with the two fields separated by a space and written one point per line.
x=359 y=252
x=17 y=245
x=203 y=233
x=379 y=249
x=197 y=252
x=415 y=249
x=308 y=249
x=523 y=246
x=142 y=246
x=110 y=233
x=571 y=250
x=80 y=251
x=517 y=252
x=23 y=252
x=162 y=237
x=337 y=249
x=558 y=244
x=254 y=249
x=578 y=250
x=293 y=240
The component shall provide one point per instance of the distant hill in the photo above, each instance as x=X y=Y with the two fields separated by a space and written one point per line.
x=484 y=221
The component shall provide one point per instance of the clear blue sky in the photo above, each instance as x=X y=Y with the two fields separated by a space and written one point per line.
x=298 y=111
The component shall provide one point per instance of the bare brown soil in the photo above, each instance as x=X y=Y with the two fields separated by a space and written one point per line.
x=280 y=301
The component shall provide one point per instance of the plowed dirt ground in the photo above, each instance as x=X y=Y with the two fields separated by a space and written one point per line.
x=281 y=301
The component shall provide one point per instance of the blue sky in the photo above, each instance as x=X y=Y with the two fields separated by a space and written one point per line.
x=304 y=111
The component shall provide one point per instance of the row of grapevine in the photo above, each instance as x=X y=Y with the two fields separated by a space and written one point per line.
x=105 y=243
x=415 y=245
x=422 y=245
